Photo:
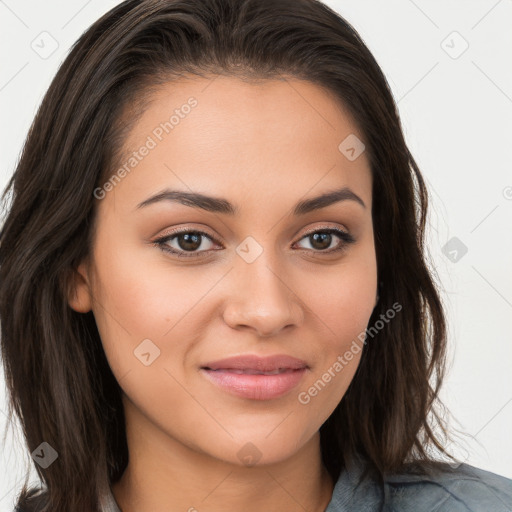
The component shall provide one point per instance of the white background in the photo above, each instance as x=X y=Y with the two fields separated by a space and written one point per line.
x=457 y=119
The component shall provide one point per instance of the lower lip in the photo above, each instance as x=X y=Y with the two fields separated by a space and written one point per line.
x=255 y=387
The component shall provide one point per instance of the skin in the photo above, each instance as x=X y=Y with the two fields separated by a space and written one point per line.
x=262 y=146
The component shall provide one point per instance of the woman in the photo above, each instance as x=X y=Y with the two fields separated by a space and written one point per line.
x=214 y=293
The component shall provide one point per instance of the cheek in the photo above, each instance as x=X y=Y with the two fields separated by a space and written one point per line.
x=347 y=306
x=342 y=301
x=141 y=297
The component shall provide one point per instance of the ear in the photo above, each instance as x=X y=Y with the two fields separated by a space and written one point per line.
x=79 y=292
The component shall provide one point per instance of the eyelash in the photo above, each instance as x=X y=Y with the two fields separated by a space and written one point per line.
x=346 y=238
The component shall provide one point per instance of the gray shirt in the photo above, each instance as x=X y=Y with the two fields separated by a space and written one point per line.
x=464 y=489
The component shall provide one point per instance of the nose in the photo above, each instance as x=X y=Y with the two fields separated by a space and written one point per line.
x=261 y=298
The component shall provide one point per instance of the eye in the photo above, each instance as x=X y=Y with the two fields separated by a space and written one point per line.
x=185 y=241
x=191 y=243
x=321 y=240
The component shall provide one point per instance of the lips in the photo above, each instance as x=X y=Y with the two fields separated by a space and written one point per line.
x=254 y=365
x=250 y=371
x=256 y=378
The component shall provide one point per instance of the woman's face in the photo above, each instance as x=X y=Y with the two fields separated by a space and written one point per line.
x=265 y=280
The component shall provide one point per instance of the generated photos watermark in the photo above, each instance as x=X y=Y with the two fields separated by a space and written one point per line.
x=304 y=397
x=152 y=141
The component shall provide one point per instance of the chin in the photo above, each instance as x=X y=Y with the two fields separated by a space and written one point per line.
x=262 y=447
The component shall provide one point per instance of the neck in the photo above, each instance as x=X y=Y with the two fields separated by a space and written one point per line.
x=163 y=474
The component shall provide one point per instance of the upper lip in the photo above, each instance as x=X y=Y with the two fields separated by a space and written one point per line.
x=254 y=362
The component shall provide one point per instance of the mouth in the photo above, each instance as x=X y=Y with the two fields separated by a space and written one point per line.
x=256 y=378
x=251 y=371
x=252 y=362
x=255 y=386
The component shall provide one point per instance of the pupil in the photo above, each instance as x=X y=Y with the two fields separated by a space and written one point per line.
x=324 y=237
x=191 y=241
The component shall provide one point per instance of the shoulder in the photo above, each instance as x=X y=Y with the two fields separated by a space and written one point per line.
x=432 y=487
x=462 y=488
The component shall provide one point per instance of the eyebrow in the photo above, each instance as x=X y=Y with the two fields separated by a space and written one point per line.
x=220 y=205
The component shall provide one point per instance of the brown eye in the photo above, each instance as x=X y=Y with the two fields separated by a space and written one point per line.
x=183 y=242
x=189 y=241
x=321 y=240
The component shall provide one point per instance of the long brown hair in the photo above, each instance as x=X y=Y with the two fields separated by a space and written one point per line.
x=59 y=383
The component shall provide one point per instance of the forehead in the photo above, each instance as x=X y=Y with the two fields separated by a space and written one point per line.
x=255 y=106
x=265 y=137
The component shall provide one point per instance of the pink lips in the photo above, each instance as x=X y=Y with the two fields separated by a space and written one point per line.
x=254 y=377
